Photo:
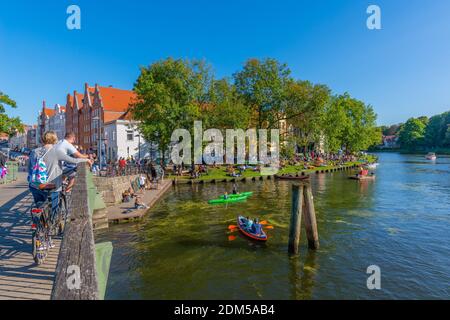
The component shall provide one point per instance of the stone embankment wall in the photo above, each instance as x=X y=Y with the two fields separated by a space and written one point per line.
x=112 y=188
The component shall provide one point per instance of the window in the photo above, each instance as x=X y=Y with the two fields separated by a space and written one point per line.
x=130 y=135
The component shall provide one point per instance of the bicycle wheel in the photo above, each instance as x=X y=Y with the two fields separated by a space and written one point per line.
x=62 y=214
x=36 y=242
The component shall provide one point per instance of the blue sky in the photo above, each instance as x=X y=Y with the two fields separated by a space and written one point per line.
x=402 y=70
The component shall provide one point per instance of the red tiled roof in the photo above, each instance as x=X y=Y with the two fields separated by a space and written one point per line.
x=112 y=116
x=49 y=112
x=116 y=100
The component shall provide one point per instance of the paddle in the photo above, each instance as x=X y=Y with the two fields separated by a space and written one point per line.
x=233 y=228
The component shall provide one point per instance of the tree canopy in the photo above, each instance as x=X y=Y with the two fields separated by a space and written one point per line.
x=173 y=93
x=8 y=124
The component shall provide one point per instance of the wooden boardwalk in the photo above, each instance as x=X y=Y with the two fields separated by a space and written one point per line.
x=20 y=277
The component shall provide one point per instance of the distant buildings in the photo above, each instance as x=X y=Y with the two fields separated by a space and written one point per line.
x=32 y=141
x=99 y=117
x=19 y=141
x=390 y=142
x=51 y=119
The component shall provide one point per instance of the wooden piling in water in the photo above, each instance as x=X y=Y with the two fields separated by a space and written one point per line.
x=296 y=218
x=302 y=206
x=309 y=215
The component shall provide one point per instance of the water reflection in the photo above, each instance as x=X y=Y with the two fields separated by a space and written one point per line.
x=400 y=221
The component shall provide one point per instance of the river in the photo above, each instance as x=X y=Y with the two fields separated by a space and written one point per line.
x=399 y=222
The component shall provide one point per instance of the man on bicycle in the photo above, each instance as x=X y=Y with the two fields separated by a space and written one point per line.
x=66 y=147
x=50 y=157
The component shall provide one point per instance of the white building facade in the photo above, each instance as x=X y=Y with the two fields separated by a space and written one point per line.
x=123 y=140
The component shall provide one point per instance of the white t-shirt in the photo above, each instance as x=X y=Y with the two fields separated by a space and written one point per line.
x=66 y=147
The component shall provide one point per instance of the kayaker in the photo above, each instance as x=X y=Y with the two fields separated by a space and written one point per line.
x=235 y=190
x=249 y=223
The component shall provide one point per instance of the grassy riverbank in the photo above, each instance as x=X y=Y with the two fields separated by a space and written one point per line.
x=220 y=173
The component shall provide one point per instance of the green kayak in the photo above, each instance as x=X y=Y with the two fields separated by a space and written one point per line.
x=239 y=195
x=229 y=200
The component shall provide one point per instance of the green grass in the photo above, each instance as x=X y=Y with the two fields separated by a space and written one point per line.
x=220 y=173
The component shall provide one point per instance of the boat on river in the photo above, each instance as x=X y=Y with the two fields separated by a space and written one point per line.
x=238 y=195
x=292 y=177
x=361 y=177
x=228 y=200
x=255 y=232
x=431 y=156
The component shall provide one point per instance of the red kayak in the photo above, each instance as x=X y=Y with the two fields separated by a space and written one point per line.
x=252 y=232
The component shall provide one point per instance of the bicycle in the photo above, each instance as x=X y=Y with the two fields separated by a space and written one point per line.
x=47 y=220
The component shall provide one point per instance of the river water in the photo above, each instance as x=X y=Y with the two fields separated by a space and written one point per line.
x=399 y=222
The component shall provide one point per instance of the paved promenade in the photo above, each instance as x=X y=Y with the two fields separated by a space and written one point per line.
x=125 y=212
x=20 y=277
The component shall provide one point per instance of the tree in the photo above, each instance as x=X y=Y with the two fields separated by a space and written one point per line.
x=412 y=134
x=433 y=131
x=227 y=108
x=350 y=124
x=8 y=125
x=262 y=86
x=170 y=95
x=305 y=110
x=391 y=130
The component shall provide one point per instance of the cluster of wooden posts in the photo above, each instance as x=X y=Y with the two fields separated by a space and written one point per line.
x=302 y=208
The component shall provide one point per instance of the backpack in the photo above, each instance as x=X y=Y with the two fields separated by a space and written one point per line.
x=39 y=174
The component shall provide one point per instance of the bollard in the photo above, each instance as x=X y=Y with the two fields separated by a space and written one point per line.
x=296 y=219
x=309 y=215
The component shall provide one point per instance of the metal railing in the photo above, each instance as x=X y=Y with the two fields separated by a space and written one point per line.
x=113 y=170
x=12 y=168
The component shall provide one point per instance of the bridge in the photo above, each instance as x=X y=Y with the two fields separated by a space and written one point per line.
x=76 y=269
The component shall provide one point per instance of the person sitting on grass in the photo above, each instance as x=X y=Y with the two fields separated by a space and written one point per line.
x=138 y=204
x=225 y=196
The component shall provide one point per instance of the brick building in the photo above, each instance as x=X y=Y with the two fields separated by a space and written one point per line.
x=87 y=113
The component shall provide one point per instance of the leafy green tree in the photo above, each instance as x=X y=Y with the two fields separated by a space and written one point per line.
x=170 y=95
x=8 y=125
x=305 y=110
x=350 y=124
x=412 y=134
x=433 y=131
x=391 y=130
x=262 y=85
x=227 y=108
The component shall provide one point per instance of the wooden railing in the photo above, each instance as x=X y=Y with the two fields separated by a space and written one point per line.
x=79 y=276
